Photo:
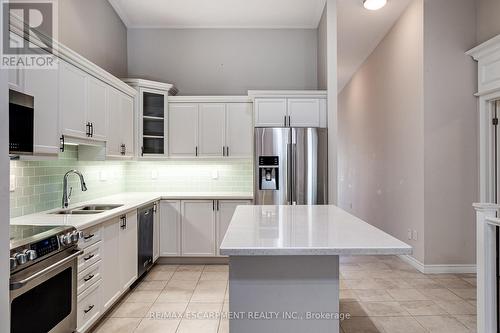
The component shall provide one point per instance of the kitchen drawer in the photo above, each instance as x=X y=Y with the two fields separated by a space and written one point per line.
x=89 y=307
x=88 y=277
x=90 y=236
x=90 y=256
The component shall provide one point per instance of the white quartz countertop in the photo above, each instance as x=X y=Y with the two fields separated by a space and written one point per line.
x=128 y=200
x=305 y=230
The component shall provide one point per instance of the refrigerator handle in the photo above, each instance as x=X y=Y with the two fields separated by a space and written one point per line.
x=294 y=165
x=289 y=171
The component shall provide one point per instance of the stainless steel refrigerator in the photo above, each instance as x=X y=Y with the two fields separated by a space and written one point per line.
x=291 y=166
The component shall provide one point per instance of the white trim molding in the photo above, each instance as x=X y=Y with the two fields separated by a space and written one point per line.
x=65 y=53
x=438 y=269
x=488 y=57
x=149 y=84
x=210 y=99
x=486 y=224
x=287 y=94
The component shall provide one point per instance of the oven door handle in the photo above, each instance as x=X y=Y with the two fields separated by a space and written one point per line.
x=21 y=283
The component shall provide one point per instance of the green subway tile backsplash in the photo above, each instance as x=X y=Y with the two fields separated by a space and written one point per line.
x=39 y=184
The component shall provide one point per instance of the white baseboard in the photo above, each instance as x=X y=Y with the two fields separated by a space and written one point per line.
x=438 y=269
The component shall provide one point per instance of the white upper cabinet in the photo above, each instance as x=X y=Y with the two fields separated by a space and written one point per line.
x=270 y=112
x=127 y=125
x=72 y=101
x=290 y=108
x=43 y=86
x=183 y=129
x=151 y=117
x=239 y=130
x=120 y=142
x=83 y=104
x=304 y=112
x=198 y=228
x=15 y=76
x=97 y=108
x=211 y=129
x=114 y=123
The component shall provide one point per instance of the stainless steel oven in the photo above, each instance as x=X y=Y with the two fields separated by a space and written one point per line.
x=43 y=282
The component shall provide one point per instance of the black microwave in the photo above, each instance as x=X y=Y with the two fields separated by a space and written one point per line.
x=21 y=123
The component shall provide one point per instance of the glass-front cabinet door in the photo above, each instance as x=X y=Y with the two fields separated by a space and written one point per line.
x=153 y=123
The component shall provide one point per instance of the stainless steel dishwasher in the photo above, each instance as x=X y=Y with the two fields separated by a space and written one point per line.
x=145 y=238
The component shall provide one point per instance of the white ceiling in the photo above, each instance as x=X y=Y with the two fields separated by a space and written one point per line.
x=219 y=13
x=360 y=31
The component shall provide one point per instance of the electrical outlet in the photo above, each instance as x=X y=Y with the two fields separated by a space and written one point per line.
x=215 y=175
x=154 y=174
x=103 y=176
x=409 y=234
x=12 y=185
x=415 y=235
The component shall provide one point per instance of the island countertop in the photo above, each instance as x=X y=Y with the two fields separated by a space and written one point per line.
x=305 y=230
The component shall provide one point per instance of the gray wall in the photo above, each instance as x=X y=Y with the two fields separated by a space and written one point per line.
x=450 y=131
x=381 y=155
x=224 y=61
x=408 y=130
x=322 y=53
x=93 y=29
x=332 y=82
x=488 y=19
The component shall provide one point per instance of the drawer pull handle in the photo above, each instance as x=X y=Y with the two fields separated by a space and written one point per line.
x=90 y=256
x=88 y=237
x=88 y=278
x=89 y=309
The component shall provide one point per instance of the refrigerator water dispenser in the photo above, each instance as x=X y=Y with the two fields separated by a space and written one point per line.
x=269 y=173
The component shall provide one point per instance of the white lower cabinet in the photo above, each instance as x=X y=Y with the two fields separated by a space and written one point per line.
x=107 y=267
x=111 y=265
x=89 y=307
x=119 y=257
x=170 y=228
x=156 y=231
x=198 y=228
x=224 y=214
x=88 y=277
x=195 y=228
x=128 y=250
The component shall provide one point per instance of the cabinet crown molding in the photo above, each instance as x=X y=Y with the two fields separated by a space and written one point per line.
x=287 y=94
x=63 y=52
x=210 y=99
x=490 y=46
x=134 y=82
x=488 y=57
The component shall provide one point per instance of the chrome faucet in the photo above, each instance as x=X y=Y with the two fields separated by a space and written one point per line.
x=67 y=196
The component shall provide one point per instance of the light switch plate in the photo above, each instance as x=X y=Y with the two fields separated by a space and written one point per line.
x=215 y=175
x=12 y=186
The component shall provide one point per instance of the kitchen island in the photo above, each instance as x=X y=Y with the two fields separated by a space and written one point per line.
x=284 y=265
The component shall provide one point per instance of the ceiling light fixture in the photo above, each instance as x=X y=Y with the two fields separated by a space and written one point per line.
x=374 y=4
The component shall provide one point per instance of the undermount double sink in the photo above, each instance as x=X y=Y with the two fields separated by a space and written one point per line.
x=86 y=210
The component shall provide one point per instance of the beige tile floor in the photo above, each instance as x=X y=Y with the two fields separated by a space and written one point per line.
x=381 y=293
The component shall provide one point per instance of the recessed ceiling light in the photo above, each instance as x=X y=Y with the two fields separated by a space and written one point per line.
x=374 y=4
